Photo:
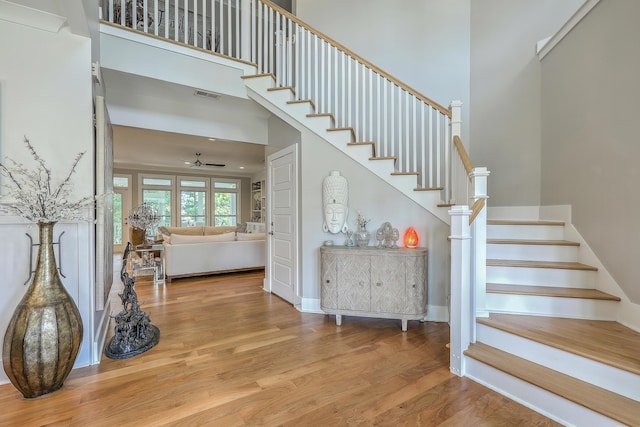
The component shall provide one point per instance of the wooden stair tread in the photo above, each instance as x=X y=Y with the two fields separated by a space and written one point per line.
x=253 y=76
x=431 y=189
x=404 y=173
x=607 y=342
x=532 y=242
x=549 y=291
x=612 y=405
x=523 y=222
x=540 y=264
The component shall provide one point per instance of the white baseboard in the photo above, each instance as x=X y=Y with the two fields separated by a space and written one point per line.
x=103 y=330
x=310 y=305
x=437 y=313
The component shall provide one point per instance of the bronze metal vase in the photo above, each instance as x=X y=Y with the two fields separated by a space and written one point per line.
x=45 y=332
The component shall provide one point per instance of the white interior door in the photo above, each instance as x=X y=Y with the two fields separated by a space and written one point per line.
x=282 y=225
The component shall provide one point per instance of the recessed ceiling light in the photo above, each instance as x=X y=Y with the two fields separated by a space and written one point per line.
x=241 y=167
x=211 y=139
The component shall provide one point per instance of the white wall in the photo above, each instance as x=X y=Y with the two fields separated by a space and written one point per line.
x=505 y=92
x=376 y=200
x=45 y=94
x=424 y=43
x=590 y=147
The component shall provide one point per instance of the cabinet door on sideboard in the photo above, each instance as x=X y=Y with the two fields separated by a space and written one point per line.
x=388 y=292
x=329 y=278
x=416 y=285
x=354 y=278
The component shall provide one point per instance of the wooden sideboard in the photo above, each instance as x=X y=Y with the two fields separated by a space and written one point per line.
x=372 y=282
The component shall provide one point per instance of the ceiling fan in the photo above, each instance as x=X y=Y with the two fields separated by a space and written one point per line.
x=197 y=163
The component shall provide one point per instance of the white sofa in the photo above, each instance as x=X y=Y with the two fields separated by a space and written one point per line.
x=192 y=254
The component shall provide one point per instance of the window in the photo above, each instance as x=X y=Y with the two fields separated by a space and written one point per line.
x=226 y=201
x=158 y=192
x=193 y=201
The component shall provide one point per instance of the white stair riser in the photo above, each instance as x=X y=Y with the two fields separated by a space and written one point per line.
x=576 y=308
x=542 y=401
x=300 y=109
x=587 y=370
x=532 y=252
x=525 y=232
x=280 y=97
x=541 y=277
x=260 y=83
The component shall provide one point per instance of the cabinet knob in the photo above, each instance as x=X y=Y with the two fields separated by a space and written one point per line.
x=413 y=286
x=328 y=281
x=378 y=284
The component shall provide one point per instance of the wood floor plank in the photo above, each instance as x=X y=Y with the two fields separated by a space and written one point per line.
x=231 y=354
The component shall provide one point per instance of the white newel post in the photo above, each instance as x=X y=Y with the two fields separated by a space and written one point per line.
x=245 y=28
x=462 y=313
x=479 y=233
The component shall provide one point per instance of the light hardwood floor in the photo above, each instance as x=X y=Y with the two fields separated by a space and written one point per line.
x=232 y=355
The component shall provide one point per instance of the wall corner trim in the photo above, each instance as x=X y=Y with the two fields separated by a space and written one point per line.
x=545 y=46
x=30 y=17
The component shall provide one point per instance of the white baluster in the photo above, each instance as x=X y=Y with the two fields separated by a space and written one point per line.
x=261 y=40
x=316 y=70
x=253 y=25
x=277 y=57
x=185 y=16
x=357 y=123
x=329 y=89
x=194 y=24
x=229 y=41
x=176 y=18
x=379 y=118
x=221 y=24
x=385 y=103
x=289 y=52
x=432 y=161
x=414 y=140
x=155 y=17
x=349 y=91
x=239 y=11
x=426 y=165
x=167 y=9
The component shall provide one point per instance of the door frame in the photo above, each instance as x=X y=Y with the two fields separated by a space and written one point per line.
x=292 y=149
x=126 y=206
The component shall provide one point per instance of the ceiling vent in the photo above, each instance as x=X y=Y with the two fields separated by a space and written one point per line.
x=206 y=94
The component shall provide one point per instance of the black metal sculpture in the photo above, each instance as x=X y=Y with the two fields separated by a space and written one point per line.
x=134 y=333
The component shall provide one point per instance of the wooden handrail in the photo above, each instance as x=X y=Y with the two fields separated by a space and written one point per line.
x=354 y=55
x=466 y=161
x=477 y=207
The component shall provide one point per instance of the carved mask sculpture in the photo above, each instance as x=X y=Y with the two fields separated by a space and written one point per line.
x=335 y=195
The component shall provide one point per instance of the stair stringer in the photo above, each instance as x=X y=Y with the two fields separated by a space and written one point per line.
x=296 y=115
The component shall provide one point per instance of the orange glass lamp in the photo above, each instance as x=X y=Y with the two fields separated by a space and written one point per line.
x=411 y=238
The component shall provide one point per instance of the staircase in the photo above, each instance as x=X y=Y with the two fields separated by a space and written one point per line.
x=551 y=340
x=303 y=115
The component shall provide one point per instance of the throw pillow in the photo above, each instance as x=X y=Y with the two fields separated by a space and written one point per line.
x=251 y=236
